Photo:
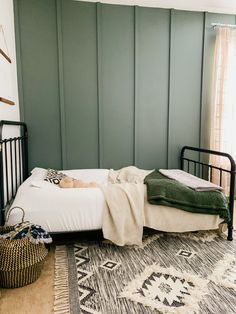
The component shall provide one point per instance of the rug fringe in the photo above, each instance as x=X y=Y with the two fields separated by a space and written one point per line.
x=61 y=283
x=200 y=236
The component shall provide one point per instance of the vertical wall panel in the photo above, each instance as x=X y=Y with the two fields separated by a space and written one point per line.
x=209 y=47
x=152 y=67
x=80 y=83
x=185 y=82
x=39 y=69
x=117 y=85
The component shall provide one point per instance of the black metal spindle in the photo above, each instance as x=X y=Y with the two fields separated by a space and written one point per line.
x=202 y=170
x=15 y=155
x=24 y=158
x=220 y=177
x=6 y=172
x=11 y=169
x=195 y=168
x=1 y=183
x=17 y=159
x=210 y=169
x=25 y=155
x=20 y=160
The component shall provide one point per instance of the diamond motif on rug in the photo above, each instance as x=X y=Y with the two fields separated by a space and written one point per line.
x=224 y=273
x=185 y=254
x=166 y=289
x=110 y=265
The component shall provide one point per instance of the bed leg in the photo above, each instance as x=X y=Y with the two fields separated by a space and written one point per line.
x=48 y=247
x=230 y=232
x=2 y=218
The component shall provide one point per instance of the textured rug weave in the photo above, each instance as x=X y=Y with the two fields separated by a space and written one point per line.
x=171 y=273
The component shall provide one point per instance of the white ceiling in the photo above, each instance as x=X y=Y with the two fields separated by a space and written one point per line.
x=217 y=6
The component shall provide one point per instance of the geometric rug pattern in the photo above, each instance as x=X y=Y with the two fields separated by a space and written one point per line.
x=166 y=290
x=170 y=274
x=224 y=273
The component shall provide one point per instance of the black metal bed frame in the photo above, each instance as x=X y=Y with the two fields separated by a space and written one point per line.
x=13 y=164
x=14 y=168
x=205 y=168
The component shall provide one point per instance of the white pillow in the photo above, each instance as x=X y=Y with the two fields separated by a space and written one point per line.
x=38 y=173
x=97 y=175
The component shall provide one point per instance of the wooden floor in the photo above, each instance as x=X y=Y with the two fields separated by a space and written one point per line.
x=38 y=296
x=35 y=298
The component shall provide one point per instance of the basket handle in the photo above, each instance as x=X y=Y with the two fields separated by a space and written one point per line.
x=10 y=210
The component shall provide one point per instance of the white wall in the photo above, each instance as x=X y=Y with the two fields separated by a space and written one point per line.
x=8 y=70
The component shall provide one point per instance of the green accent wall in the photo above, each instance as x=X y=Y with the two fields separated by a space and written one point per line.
x=109 y=86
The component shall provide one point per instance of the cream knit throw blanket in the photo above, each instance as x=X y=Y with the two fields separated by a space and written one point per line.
x=123 y=215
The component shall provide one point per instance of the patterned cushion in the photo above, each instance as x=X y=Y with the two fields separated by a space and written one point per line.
x=54 y=176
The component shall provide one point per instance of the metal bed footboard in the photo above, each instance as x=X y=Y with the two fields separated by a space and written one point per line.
x=13 y=164
x=200 y=168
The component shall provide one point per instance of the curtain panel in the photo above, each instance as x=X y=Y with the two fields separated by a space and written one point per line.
x=223 y=104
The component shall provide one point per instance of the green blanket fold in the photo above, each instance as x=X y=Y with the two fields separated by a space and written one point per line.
x=164 y=191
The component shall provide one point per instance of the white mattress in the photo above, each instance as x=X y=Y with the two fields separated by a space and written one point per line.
x=65 y=210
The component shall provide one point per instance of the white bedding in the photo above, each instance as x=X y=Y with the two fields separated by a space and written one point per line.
x=65 y=210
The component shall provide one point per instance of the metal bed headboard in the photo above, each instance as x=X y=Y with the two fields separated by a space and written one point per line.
x=201 y=168
x=13 y=163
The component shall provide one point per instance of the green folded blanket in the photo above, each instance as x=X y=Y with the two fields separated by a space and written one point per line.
x=164 y=191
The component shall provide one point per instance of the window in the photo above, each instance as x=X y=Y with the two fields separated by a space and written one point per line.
x=223 y=106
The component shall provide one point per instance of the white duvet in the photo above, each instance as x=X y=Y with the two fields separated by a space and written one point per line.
x=66 y=210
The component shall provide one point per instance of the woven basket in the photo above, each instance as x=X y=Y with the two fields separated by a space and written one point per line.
x=21 y=261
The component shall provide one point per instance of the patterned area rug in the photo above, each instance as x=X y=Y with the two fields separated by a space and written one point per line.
x=171 y=273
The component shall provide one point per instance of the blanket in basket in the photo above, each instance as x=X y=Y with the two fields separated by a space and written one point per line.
x=22 y=230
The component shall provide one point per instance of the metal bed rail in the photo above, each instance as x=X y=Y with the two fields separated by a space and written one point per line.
x=13 y=163
x=206 y=167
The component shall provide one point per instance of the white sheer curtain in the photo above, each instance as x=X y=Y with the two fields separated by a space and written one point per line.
x=223 y=106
